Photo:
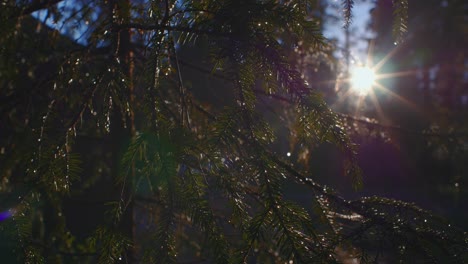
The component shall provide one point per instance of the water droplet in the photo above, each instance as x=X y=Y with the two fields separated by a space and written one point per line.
x=108 y=122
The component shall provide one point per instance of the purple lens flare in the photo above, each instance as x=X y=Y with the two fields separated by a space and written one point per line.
x=6 y=214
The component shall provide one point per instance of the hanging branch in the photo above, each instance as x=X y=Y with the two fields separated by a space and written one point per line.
x=172 y=28
x=361 y=120
x=347 y=12
x=400 y=19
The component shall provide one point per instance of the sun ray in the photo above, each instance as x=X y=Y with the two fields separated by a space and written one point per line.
x=376 y=103
x=394 y=74
x=358 y=105
x=369 y=57
x=397 y=96
x=386 y=58
x=343 y=97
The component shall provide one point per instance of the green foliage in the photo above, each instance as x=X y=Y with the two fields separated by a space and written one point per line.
x=166 y=175
x=110 y=244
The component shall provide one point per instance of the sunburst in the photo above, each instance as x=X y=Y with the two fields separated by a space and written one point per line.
x=364 y=80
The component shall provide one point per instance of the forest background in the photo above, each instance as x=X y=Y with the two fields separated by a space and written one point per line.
x=229 y=131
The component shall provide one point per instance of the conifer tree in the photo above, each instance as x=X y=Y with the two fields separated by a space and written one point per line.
x=430 y=66
x=133 y=132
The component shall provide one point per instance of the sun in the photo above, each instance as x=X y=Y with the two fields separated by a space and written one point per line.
x=362 y=80
x=363 y=84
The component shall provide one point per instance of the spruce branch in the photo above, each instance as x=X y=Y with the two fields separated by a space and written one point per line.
x=362 y=120
x=400 y=19
x=347 y=12
x=155 y=27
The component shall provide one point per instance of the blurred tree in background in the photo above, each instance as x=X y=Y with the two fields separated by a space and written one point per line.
x=422 y=105
x=181 y=132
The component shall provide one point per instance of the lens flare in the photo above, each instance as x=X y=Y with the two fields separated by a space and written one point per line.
x=6 y=214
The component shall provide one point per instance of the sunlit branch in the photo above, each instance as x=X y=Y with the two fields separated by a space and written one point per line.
x=170 y=28
x=342 y=115
x=347 y=8
x=356 y=206
x=402 y=129
x=274 y=158
x=87 y=97
x=191 y=10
